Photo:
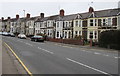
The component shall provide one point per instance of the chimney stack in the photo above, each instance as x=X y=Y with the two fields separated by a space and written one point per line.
x=17 y=16
x=42 y=15
x=28 y=15
x=2 y=18
x=91 y=10
x=61 y=12
x=8 y=18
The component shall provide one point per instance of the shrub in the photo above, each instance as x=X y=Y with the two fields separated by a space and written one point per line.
x=78 y=37
x=110 y=39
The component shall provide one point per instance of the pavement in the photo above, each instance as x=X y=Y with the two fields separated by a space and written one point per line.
x=57 y=58
x=10 y=65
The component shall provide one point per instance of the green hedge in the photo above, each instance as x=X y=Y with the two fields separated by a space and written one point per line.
x=110 y=39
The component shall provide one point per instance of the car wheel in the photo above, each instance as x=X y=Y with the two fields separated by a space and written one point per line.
x=35 y=40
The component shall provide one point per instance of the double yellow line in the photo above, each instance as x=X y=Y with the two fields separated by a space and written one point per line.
x=30 y=74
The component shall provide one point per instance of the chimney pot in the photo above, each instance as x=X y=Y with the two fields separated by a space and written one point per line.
x=17 y=16
x=28 y=15
x=42 y=15
x=2 y=18
x=8 y=17
x=61 y=12
x=91 y=10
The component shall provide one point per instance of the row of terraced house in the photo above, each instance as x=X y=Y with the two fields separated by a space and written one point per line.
x=88 y=25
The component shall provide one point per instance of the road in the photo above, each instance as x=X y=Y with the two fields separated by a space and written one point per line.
x=52 y=58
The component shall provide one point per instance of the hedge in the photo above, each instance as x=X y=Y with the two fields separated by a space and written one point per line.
x=110 y=39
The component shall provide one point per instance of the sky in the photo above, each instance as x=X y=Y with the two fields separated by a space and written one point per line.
x=9 y=8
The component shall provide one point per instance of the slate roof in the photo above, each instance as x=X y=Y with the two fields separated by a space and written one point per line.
x=100 y=13
x=107 y=13
x=69 y=17
x=32 y=18
x=42 y=19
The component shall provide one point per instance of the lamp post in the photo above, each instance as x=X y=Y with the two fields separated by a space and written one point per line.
x=24 y=23
x=24 y=12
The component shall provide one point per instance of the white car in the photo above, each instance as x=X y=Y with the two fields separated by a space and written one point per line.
x=5 y=33
x=1 y=33
x=22 y=36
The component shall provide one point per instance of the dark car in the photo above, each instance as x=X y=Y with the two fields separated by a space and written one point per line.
x=37 y=38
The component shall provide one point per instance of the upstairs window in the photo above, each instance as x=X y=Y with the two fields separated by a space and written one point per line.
x=80 y=23
x=99 y=22
x=114 y=21
x=104 y=22
x=84 y=23
x=109 y=21
x=91 y=22
x=48 y=24
x=95 y=22
x=57 y=24
x=76 y=23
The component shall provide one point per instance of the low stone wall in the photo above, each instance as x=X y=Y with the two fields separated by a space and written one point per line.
x=66 y=41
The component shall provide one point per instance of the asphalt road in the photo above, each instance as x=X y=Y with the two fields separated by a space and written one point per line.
x=52 y=58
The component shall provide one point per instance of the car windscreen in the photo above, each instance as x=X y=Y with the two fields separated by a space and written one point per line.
x=38 y=36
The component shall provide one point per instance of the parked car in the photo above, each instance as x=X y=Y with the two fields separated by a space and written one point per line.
x=22 y=36
x=5 y=34
x=1 y=33
x=37 y=38
x=12 y=35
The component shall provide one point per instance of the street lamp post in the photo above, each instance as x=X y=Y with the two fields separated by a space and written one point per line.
x=24 y=23
x=24 y=12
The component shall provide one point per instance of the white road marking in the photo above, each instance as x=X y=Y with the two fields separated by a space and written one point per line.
x=88 y=66
x=29 y=44
x=97 y=53
x=71 y=47
x=88 y=51
x=83 y=50
x=46 y=50
x=116 y=57
x=20 y=40
x=106 y=55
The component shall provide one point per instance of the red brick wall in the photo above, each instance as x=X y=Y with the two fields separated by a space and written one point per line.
x=66 y=41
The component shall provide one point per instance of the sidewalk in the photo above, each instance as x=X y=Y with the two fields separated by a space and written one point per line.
x=8 y=66
x=85 y=47
x=9 y=63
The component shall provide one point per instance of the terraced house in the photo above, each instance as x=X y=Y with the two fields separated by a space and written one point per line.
x=41 y=24
x=92 y=23
x=86 y=25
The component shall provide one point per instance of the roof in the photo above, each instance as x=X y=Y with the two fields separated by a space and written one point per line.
x=54 y=17
x=32 y=18
x=107 y=13
x=69 y=17
x=42 y=19
x=100 y=13
x=13 y=19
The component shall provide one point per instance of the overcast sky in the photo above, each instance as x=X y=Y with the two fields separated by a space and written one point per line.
x=52 y=7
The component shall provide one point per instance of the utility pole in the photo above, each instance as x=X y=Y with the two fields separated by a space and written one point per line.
x=24 y=12
x=24 y=23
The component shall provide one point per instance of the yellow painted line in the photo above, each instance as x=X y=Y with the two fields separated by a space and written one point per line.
x=30 y=74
